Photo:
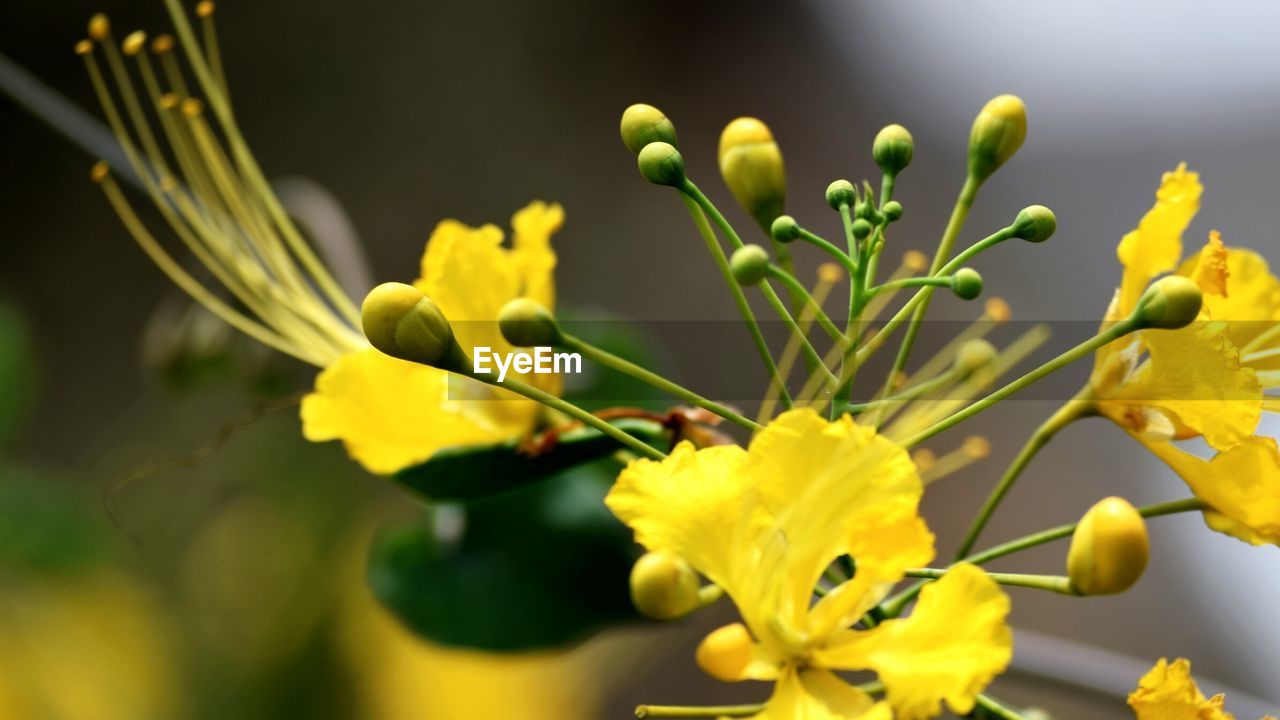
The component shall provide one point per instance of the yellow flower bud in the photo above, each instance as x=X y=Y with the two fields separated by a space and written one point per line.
x=402 y=322
x=661 y=164
x=1109 y=549
x=643 y=124
x=725 y=653
x=751 y=165
x=966 y=283
x=525 y=323
x=997 y=133
x=749 y=263
x=663 y=586
x=892 y=149
x=1170 y=303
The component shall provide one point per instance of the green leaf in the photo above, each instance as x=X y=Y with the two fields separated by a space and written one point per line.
x=47 y=526
x=472 y=472
x=541 y=566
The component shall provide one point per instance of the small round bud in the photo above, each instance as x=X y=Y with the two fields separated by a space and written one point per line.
x=1035 y=224
x=750 y=263
x=861 y=228
x=840 y=193
x=402 y=322
x=661 y=164
x=915 y=261
x=1109 y=549
x=525 y=323
x=998 y=131
x=784 y=229
x=725 y=653
x=892 y=149
x=966 y=283
x=1169 y=303
x=664 y=586
x=893 y=210
x=751 y=165
x=975 y=354
x=643 y=124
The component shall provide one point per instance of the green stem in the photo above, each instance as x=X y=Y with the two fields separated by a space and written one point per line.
x=927 y=281
x=739 y=298
x=568 y=408
x=844 y=387
x=836 y=253
x=995 y=710
x=1111 y=334
x=793 y=285
x=910 y=393
x=1073 y=410
x=1053 y=583
x=625 y=366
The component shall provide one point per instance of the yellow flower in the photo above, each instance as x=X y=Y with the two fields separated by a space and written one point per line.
x=1207 y=379
x=1169 y=692
x=391 y=413
x=764 y=523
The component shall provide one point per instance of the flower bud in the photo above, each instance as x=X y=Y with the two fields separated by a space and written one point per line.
x=861 y=228
x=840 y=193
x=661 y=164
x=784 y=229
x=1109 y=549
x=1035 y=224
x=664 y=586
x=966 y=283
x=975 y=354
x=892 y=149
x=525 y=323
x=725 y=653
x=1169 y=303
x=751 y=165
x=749 y=263
x=402 y=322
x=643 y=124
x=893 y=210
x=997 y=133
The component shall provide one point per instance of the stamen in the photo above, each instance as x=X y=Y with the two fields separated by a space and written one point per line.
x=204 y=10
x=99 y=27
x=973 y=449
x=689 y=711
x=995 y=312
x=134 y=42
x=828 y=275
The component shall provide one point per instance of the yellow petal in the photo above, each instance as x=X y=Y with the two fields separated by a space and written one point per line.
x=950 y=648
x=1156 y=245
x=1168 y=692
x=1251 y=304
x=391 y=414
x=1195 y=375
x=1240 y=485
x=819 y=695
x=1209 y=268
x=531 y=250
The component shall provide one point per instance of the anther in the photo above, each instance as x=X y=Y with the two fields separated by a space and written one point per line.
x=99 y=27
x=192 y=107
x=99 y=171
x=162 y=44
x=134 y=42
x=204 y=8
x=84 y=47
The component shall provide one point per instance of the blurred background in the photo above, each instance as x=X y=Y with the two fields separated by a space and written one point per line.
x=156 y=590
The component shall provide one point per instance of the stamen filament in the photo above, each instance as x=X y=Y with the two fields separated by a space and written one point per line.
x=1053 y=583
x=807 y=303
x=828 y=274
x=709 y=711
x=1261 y=339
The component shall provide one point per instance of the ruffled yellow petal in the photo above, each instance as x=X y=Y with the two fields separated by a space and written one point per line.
x=1240 y=485
x=819 y=695
x=391 y=414
x=1156 y=245
x=531 y=250
x=1251 y=303
x=1169 y=692
x=950 y=648
x=1209 y=267
x=1194 y=375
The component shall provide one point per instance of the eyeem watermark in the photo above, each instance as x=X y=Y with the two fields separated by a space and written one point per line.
x=538 y=360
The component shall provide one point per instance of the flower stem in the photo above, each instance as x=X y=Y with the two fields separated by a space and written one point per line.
x=797 y=290
x=1076 y=408
x=623 y=365
x=1053 y=583
x=836 y=253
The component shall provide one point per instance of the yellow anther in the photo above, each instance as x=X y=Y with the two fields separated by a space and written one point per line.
x=725 y=653
x=915 y=261
x=99 y=27
x=924 y=458
x=998 y=310
x=192 y=107
x=169 y=101
x=99 y=171
x=84 y=47
x=134 y=42
x=977 y=447
x=829 y=272
x=162 y=44
x=205 y=8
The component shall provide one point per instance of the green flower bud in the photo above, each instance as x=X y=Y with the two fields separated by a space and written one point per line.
x=861 y=228
x=750 y=263
x=785 y=229
x=1169 y=303
x=893 y=210
x=892 y=149
x=997 y=133
x=663 y=586
x=525 y=323
x=966 y=283
x=643 y=124
x=661 y=164
x=751 y=165
x=1109 y=549
x=402 y=322
x=840 y=193
x=975 y=354
x=1035 y=224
